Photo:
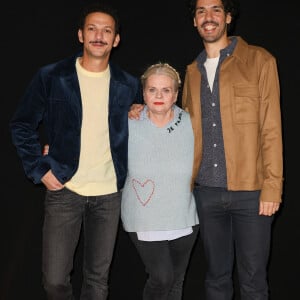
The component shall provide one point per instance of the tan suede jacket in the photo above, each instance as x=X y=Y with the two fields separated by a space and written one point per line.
x=251 y=120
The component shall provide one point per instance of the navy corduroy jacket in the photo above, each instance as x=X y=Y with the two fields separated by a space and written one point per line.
x=53 y=101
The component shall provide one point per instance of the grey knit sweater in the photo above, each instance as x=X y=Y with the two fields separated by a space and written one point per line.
x=157 y=193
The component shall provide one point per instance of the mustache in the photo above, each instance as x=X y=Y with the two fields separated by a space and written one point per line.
x=210 y=23
x=100 y=42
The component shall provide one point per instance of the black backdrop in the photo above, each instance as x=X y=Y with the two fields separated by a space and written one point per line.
x=36 y=33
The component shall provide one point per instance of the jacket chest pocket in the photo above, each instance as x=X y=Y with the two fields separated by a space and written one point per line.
x=246 y=104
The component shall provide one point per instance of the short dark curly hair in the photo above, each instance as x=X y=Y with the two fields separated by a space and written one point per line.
x=230 y=6
x=99 y=7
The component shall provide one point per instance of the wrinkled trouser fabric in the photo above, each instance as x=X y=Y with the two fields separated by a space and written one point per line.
x=65 y=213
x=232 y=231
x=165 y=263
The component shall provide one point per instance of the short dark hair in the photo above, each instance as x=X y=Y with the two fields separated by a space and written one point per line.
x=99 y=7
x=230 y=6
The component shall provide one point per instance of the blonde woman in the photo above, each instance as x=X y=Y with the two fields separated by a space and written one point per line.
x=158 y=207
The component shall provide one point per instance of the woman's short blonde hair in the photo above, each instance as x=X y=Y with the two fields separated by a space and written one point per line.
x=164 y=69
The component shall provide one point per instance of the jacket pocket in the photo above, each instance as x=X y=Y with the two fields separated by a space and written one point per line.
x=246 y=103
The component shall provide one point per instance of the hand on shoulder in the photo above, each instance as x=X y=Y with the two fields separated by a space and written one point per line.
x=135 y=111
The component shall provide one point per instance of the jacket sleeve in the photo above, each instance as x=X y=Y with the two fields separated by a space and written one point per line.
x=271 y=132
x=24 y=127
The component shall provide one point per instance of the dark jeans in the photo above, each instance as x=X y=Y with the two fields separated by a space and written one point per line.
x=65 y=213
x=232 y=229
x=166 y=263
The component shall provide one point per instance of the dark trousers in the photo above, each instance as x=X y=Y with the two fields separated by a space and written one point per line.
x=165 y=263
x=65 y=213
x=231 y=229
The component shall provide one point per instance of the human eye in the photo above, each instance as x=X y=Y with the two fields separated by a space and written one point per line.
x=90 y=28
x=108 y=30
x=167 y=91
x=151 y=90
x=218 y=9
x=200 y=11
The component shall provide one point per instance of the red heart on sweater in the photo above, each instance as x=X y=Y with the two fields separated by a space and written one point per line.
x=143 y=191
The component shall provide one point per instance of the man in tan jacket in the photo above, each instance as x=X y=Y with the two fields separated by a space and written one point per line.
x=232 y=93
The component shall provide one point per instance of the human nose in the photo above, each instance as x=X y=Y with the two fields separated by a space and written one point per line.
x=99 y=33
x=158 y=94
x=209 y=15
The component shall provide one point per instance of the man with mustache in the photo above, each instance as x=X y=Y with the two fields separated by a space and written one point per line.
x=83 y=103
x=232 y=93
